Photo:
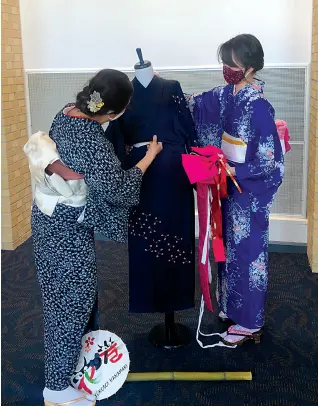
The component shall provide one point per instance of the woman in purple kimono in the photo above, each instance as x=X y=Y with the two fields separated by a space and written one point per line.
x=239 y=119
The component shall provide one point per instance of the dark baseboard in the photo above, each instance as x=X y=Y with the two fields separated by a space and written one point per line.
x=287 y=248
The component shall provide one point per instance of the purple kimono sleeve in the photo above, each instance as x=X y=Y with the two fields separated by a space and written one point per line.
x=264 y=156
x=206 y=112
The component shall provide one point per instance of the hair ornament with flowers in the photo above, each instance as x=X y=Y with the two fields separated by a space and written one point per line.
x=95 y=103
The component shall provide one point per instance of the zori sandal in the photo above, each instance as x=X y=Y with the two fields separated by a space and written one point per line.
x=236 y=330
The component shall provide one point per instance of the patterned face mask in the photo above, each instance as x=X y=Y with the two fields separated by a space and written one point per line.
x=232 y=77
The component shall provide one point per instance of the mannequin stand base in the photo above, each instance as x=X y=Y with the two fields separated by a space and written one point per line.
x=172 y=337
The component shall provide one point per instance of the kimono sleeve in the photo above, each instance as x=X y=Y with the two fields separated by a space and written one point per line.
x=206 y=113
x=184 y=116
x=264 y=156
x=103 y=174
x=116 y=136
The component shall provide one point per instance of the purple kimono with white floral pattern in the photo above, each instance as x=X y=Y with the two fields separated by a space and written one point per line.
x=242 y=279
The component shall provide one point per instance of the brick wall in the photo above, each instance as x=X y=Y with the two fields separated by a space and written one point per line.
x=312 y=205
x=15 y=178
x=16 y=185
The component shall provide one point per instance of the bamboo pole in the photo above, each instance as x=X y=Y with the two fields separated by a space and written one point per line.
x=188 y=376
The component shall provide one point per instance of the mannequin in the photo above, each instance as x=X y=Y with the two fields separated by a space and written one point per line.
x=143 y=70
x=168 y=334
x=161 y=242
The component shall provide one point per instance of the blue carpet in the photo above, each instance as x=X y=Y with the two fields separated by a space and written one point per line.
x=284 y=366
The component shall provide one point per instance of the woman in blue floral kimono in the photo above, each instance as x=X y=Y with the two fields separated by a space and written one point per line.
x=98 y=196
x=239 y=119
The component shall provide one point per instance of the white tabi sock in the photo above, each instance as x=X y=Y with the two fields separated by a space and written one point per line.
x=62 y=396
x=223 y=315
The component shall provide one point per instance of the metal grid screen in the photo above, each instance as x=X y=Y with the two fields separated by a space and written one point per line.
x=48 y=92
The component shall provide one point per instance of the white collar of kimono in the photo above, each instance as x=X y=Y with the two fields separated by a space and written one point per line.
x=66 y=110
x=259 y=86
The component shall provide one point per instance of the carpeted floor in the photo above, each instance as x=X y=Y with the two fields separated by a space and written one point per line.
x=284 y=366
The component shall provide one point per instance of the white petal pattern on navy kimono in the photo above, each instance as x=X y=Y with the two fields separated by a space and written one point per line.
x=159 y=244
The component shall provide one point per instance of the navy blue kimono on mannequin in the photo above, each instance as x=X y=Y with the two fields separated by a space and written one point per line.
x=161 y=230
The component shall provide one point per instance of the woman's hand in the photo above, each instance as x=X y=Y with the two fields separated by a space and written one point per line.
x=154 y=148
x=231 y=170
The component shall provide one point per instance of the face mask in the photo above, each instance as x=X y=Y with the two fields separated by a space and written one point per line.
x=232 y=77
x=116 y=117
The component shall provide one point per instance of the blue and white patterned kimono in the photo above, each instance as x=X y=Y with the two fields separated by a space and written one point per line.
x=63 y=236
x=242 y=279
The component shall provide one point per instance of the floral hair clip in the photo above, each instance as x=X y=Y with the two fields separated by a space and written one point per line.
x=96 y=102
